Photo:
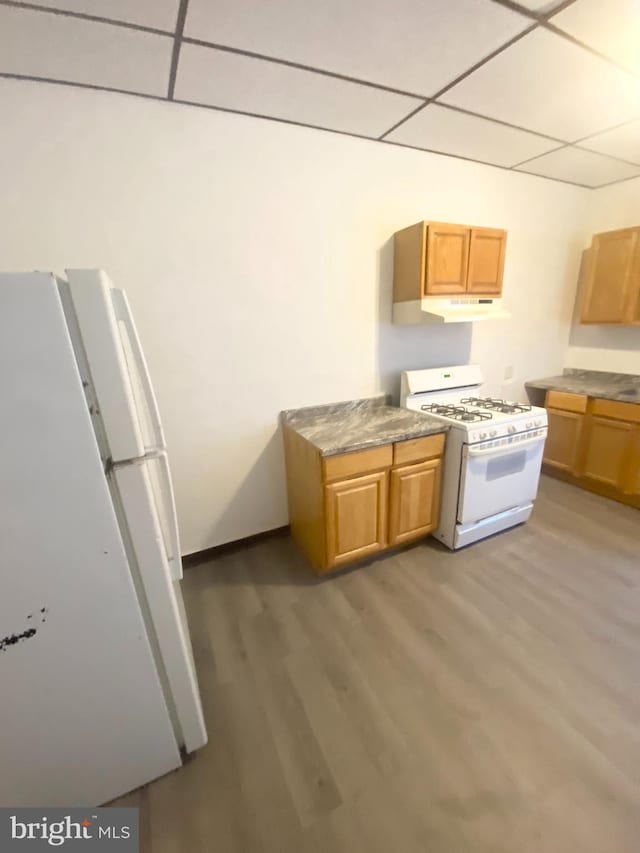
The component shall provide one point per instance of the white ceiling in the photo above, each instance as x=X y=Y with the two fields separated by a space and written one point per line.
x=611 y=27
x=80 y=51
x=579 y=166
x=160 y=14
x=412 y=45
x=548 y=87
x=552 y=86
x=238 y=82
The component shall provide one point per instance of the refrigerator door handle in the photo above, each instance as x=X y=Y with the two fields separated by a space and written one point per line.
x=124 y=315
x=174 y=557
x=168 y=504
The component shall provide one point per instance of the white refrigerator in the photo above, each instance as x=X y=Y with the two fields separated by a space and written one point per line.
x=98 y=690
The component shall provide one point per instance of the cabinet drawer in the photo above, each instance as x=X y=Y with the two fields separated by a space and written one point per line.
x=415 y=449
x=567 y=402
x=618 y=411
x=358 y=462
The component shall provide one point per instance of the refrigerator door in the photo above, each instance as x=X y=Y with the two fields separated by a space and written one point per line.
x=118 y=370
x=159 y=589
x=141 y=483
x=128 y=413
x=83 y=710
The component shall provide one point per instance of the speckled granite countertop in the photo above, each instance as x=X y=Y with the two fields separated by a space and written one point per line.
x=593 y=383
x=358 y=424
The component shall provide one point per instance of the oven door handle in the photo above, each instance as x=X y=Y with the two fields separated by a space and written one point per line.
x=518 y=445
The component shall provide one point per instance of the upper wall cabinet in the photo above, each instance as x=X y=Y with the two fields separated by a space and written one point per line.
x=611 y=290
x=436 y=259
x=447 y=259
x=486 y=261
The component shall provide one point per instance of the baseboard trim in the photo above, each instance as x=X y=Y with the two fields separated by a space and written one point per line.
x=208 y=554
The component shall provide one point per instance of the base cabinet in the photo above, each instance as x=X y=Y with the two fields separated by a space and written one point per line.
x=608 y=452
x=596 y=444
x=563 y=439
x=634 y=479
x=356 y=517
x=353 y=505
x=415 y=501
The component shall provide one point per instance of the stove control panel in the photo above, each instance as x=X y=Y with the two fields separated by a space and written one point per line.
x=514 y=437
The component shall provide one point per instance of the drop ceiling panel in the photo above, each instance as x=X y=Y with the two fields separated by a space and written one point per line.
x=622 y=142
x=547 y=84
x=442 y=129
x=540 y=6
x=62 y=48
x=580 y=167
x=222 y=79
x=159 y=14
x=611 y=27
x=412 y=45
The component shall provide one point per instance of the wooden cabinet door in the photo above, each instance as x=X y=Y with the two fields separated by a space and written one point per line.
x=609 y=452
x=356 y=513
x=447 y=259
x=633 y=484
x=486 y=261
x=612 y=279
x=563 y=439
x=415 y=500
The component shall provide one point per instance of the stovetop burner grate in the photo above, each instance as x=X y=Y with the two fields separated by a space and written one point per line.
x=456 y=413
x=505 y=407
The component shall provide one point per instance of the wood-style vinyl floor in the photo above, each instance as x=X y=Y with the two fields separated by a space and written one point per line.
x=486 y=700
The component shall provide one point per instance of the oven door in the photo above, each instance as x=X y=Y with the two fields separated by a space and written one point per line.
x=495 y=479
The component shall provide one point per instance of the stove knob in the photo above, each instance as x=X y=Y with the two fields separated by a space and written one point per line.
x=483 y=435
x=538 y=422
x=493 y=432
x=511 y=429
x=529 y=424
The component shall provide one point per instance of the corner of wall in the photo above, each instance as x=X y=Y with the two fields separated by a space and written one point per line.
x=604 y=347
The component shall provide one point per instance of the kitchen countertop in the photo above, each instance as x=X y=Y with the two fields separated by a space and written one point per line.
x=359 y=424
x=592 y=383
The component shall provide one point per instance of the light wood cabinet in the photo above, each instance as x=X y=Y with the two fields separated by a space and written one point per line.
x=356 y=517
x=486 y=261
x=415 y=501
x=566 y=420
x=634 y=478
x=563 y=439
x=441 y=259
x=447 y=259
x=608 y=452
x=353 y=505
x=611 y=289
x=595 y=443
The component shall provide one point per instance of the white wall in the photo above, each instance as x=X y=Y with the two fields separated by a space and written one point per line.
x=605 y=347
x=258 y=260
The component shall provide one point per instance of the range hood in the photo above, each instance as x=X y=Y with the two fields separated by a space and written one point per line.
x=463 y=309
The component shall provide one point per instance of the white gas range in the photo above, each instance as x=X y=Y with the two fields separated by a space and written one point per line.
x=493 y=453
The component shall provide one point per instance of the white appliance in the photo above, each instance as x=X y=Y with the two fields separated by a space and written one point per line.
x=99 y=691
x=493 y=452
x=454 y=309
